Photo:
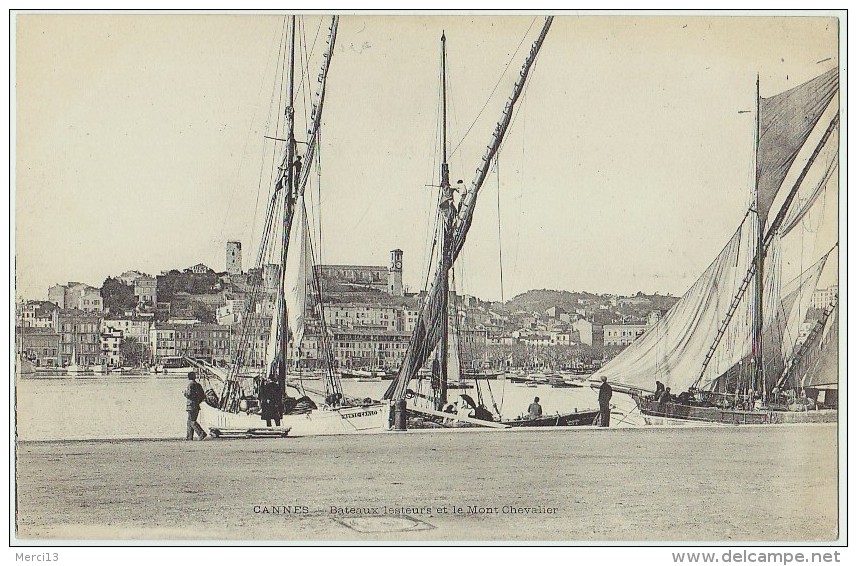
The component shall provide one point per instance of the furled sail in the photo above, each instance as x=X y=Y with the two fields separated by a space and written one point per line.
x=273 y=345
x=453 y=358
x=427 y=332
x=785 y=122
x=298 y=273
x=670 y=351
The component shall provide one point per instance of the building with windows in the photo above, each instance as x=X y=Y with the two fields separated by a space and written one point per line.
x=131 y=327
x=39 y=345
x=36 y=314
x=146 y=291
x=209 y=342
x=623 y=334
x=362 y=315
x=80 y=335
x=232 y=311
x=76 y=295
x=111 y=341
x=162 y=339
x=369 y=347
x=821 y=298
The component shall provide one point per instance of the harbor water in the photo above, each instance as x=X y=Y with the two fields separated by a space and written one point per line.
x=152 y=406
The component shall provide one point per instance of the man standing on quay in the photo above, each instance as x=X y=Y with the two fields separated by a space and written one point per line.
x=605 y=392
x=194 y=395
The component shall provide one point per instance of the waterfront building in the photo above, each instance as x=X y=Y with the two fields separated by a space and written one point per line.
x=209 y=342
x=111 y=340
x=79 y=333
x=39 y=345
x=369 y=347
x=563 y=338
x=56 y=295
x=162 y=338
x=131 y=327
x=361 y=315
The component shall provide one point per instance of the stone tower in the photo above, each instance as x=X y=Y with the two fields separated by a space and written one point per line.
x=233 y=257
x=394 y=285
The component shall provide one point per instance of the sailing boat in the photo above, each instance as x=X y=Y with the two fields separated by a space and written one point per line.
x=725 y=342
x=432 y=334
x=236 y=409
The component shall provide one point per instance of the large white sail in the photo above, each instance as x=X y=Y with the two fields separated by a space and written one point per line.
x=273 y=335
x=671 y=351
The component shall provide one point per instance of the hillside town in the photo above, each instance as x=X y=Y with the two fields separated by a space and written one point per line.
x=138 y=320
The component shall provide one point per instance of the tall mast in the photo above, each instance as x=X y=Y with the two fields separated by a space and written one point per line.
x=757 y=375
x=423 y=342
x=288 y=203
x=448 y=214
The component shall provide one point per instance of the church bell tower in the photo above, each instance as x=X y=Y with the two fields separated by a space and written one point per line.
x=394 y=285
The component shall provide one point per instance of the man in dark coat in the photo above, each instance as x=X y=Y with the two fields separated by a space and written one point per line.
x=194 y=395
x=271 y=402
x=605 y=393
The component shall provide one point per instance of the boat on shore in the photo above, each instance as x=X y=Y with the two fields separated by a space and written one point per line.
x=173 y=365
x=585 y=417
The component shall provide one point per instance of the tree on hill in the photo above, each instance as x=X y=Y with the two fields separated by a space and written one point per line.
x=539 y=300
x=203 y=313
x=118 y=297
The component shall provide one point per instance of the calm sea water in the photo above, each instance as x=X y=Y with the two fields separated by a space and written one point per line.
x=116 y=407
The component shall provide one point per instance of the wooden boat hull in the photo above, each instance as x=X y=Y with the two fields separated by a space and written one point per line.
x=579 y=418
x=345 y=420
x=482 y=375
x=675 y=411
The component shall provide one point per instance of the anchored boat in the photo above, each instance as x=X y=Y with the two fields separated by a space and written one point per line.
x=729 y=348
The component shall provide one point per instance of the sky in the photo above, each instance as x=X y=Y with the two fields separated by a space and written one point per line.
x=140 y=142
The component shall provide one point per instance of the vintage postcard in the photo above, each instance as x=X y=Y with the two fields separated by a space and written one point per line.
x=444 y=278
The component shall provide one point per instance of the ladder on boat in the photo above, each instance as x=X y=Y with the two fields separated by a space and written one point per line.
x=721 y=330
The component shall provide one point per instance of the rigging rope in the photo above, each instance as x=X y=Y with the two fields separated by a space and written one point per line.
x=493 y=90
